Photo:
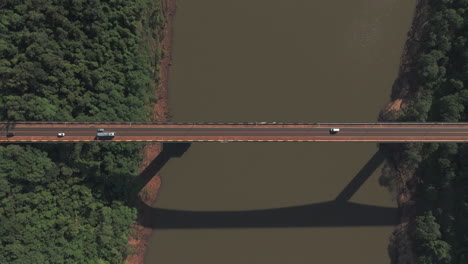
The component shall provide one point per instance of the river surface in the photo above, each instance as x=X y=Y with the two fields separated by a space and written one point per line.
x=276 y=60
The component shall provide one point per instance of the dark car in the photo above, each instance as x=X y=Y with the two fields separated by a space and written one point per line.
x=10 y=134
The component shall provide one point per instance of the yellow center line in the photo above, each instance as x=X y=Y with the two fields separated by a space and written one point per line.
x=188 y=132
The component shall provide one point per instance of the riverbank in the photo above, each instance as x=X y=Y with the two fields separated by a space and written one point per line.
x=396 y=174
x=149 y=193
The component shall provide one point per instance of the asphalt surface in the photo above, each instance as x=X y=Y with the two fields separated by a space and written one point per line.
x=294 y=132
x=348 y=132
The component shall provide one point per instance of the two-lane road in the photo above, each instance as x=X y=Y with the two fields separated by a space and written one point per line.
x=229 y=132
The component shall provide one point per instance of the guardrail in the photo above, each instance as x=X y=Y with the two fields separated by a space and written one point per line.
x=229 y=123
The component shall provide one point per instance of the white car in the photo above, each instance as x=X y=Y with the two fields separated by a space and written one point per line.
x=334 y=130
x=60 y=134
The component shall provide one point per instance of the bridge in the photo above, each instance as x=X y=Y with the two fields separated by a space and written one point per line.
x=15 y=132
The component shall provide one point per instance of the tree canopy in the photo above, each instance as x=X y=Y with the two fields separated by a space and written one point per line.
x=72 y=60
x=440 y=231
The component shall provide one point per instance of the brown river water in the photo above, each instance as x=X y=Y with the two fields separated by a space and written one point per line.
x=276 y=203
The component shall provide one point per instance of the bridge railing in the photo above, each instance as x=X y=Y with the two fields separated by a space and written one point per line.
x=229 y=123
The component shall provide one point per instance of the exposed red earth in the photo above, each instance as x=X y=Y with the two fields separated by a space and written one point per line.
x=405 y=87
x=148 y=195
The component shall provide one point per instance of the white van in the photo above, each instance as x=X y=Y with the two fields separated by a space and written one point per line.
x=334 y=130
x=108 y=134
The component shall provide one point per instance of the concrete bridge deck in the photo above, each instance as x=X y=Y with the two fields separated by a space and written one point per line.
x=233 y=132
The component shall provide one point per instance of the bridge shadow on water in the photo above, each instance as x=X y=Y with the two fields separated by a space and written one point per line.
x=170 y=150
x=336 y=213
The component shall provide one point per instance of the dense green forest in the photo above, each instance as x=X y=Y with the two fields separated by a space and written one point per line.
x=440 y=231
x=72 y=60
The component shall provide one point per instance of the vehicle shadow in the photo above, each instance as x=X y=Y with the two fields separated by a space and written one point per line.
x=339 y=212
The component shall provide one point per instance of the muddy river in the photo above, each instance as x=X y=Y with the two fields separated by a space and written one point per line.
x=276 y=60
